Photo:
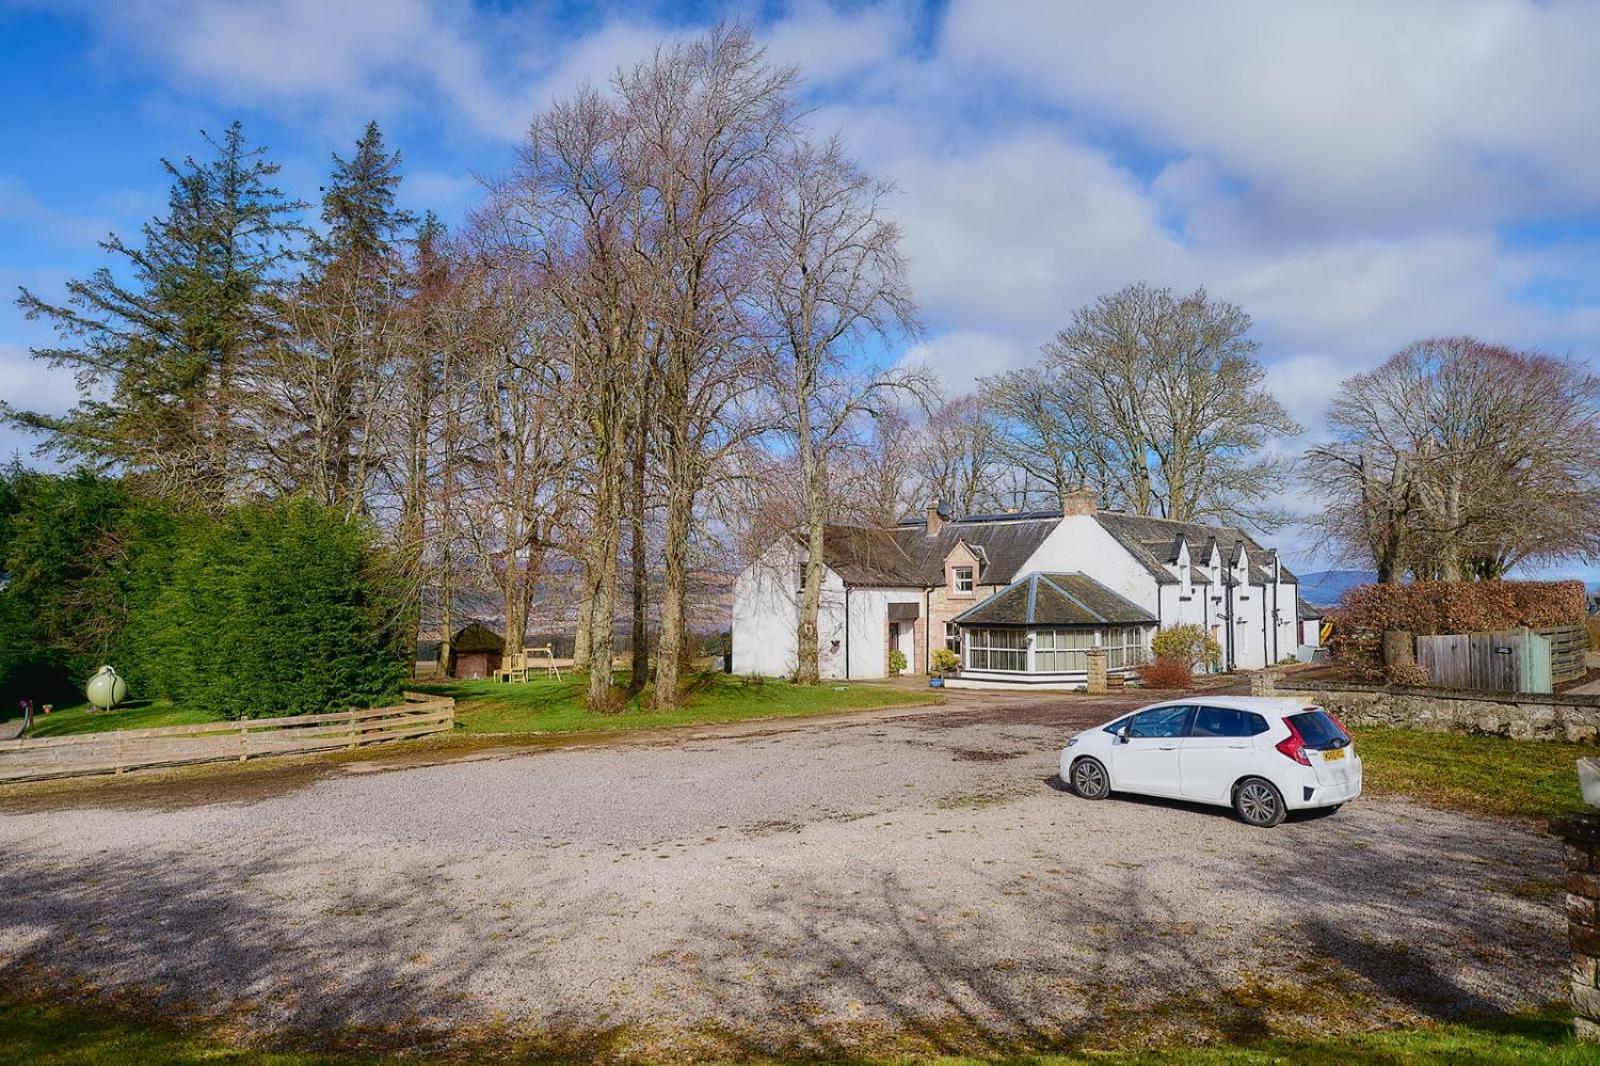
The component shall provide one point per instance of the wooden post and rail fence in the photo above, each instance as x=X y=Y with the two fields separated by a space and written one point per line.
x=32 y=758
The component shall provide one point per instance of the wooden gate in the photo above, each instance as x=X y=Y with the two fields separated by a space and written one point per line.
x=1516 y=660
x=1567 y=647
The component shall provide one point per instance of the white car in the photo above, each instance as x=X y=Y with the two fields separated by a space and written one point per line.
x=1263 y=757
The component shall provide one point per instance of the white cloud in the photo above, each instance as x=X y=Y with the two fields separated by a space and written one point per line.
x=1015 y=232
x=961 y=357
x=1387 y=112
x=828 y=43
x=335 y=60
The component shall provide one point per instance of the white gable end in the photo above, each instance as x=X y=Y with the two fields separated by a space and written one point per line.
x=1080 y=544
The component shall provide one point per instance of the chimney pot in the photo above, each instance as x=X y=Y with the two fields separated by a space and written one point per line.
x=1079 y=502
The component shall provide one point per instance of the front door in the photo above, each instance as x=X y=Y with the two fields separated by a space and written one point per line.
x=1148 y=761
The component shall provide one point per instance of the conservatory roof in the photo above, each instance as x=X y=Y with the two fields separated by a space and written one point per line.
x=1055 y=600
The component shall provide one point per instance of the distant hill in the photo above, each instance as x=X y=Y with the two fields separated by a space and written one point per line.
x=1326 y=588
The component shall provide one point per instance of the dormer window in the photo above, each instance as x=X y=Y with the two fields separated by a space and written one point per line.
x=961 y=580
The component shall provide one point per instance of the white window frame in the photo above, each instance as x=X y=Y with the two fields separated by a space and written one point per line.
x=982 y=647
x=952 y=637
x=1065 y=650
x=1125 y=646
x=956 y=588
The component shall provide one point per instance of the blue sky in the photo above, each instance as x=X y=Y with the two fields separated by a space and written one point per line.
x=1355 y=175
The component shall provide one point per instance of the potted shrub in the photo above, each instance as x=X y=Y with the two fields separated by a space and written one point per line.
x=897 y=662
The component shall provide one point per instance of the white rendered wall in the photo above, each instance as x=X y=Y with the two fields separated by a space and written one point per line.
x=766 y=611
x=1078 y=544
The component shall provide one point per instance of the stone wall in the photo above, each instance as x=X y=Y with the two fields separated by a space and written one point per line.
x=1521 y=717
x=1582 y=834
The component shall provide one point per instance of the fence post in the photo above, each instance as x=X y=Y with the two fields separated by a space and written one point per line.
x=1582 y=835
x=121 y=745
x=352 y=729
x=244 y=738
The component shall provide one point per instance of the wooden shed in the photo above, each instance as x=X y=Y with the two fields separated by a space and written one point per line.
x=476 y=651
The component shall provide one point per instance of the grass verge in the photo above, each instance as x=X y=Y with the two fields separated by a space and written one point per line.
x=58 y=1034
x=545 y=705
x=1485 y=775
x=137 y=714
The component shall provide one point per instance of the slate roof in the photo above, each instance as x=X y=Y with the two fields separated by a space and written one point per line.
x=1308 y=613
x=1002 y=542
x=865 y=555
x=905 y=555
x=1055 y=600
x=1154 y=543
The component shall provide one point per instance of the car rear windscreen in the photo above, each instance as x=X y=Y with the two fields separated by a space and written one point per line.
x=1318 y=730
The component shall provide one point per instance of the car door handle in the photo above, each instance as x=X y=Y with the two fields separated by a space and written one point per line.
x=1168 y=747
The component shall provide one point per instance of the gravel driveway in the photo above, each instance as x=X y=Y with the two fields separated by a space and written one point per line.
x=902 y=880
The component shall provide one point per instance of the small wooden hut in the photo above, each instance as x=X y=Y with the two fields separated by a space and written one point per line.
x=476 y=652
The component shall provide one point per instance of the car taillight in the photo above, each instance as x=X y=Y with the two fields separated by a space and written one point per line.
x=1294 y=745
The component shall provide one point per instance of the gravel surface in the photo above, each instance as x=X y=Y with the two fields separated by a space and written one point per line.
x=898 y=880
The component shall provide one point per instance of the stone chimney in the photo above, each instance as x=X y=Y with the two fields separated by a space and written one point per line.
x=1078 y=501
x=933 y=521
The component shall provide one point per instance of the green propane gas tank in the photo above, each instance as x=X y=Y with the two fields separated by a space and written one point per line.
x=106 y=689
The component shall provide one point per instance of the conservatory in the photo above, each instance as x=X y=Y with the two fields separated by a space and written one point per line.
x=1039 y=631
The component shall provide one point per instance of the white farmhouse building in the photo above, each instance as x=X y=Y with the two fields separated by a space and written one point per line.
x=1021 y=597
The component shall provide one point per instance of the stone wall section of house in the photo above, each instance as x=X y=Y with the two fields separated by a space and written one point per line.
x=1575 y=719
x=944 y=603
x=1582 y=836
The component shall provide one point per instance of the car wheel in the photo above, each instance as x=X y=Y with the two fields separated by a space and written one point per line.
x=1258 y=802
x=1089 y=779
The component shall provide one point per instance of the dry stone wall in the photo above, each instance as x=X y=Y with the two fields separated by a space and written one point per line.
x=1545 y=717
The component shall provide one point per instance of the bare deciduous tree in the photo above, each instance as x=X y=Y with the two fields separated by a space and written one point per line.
x=831 y=277
x=1457 y=459
x=1171 y=397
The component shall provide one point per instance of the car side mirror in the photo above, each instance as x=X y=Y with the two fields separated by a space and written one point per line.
x=1122 y=735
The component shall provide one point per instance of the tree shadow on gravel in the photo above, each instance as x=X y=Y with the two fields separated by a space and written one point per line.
x=1363 y=919
x=357 y=970
x=1363 y=936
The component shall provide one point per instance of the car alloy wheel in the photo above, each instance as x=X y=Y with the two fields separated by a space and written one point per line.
x=1089 y=779
x=1257 y=801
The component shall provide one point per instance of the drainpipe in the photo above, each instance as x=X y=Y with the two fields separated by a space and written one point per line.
x=1227 y=616
x=847 y=632
x=927 y=629
x=1277 y=574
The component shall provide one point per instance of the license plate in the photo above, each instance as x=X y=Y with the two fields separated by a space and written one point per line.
x=1330 y=756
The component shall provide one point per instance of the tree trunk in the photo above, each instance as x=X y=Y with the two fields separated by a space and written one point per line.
x=807 y=667
x=675 y=584
x=639 y=560
x=580 y=638
x=604 y=541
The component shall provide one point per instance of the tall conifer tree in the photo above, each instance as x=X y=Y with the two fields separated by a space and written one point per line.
x=157 y=340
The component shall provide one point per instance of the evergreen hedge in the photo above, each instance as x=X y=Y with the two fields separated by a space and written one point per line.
x=271 y=609
x=278 y=609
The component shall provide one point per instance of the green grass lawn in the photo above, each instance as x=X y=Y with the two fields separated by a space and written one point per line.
x=49 y=1034
x=1486 y=775
x=137 y=714
x=545 y=705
